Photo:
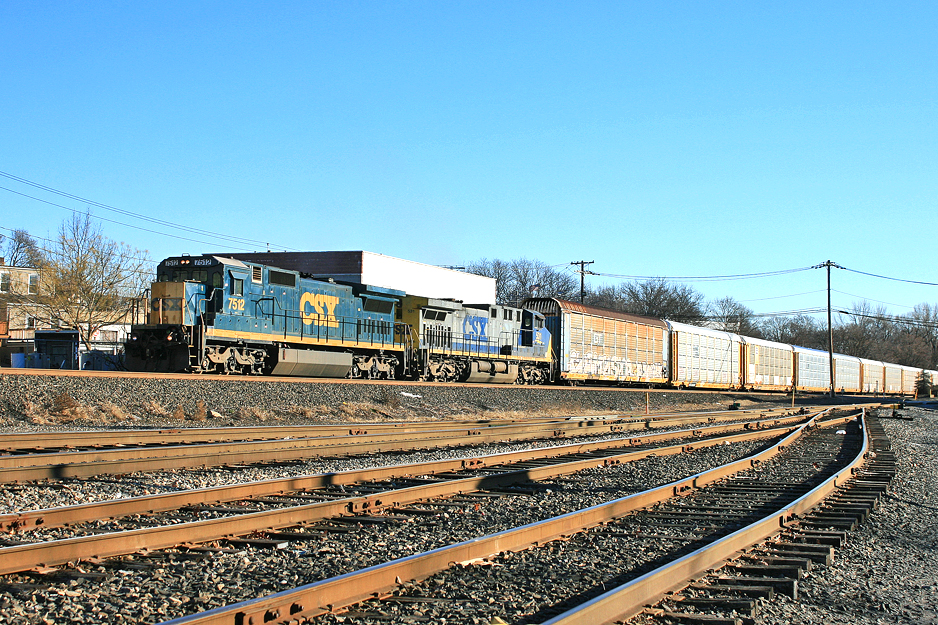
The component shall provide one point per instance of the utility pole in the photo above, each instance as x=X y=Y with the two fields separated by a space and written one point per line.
x=583 y=271
x=830 y=328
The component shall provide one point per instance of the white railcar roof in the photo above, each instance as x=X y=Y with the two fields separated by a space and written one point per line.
x=764 y=343
x=685 y=327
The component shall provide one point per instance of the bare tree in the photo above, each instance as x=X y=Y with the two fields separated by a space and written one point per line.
x=497 y=269
x=798 y=330
x=730 y=316
x=89 y=280
x=522 y=278
x=658 y=298
x=21 y=250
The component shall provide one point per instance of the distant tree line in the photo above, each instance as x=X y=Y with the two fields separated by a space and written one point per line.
x=866 y=331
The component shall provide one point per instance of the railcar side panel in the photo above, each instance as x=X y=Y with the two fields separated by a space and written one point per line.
x=767 y=365
x=847 y=373
x=872 y=376
x=893 y=378
x=704 y=358
x=909 y=376
x=597 y=345
x=812 y=370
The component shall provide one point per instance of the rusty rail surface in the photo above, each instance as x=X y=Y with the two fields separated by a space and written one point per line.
x=629 y=599
x=79 y=513
x=25 y=557
x=128 y=460
x=13 y=441
x=339 y=592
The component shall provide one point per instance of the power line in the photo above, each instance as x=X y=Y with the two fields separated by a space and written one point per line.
x=128 y=213
x=763 y=299
x=120 y=223
x=873 y=300
x=741 y=276
x=873 y=275
x=933 y=325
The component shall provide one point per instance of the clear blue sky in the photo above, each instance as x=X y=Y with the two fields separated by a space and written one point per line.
x=657 y=139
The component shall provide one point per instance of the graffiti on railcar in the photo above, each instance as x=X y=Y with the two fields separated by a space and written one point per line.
x=592 y=364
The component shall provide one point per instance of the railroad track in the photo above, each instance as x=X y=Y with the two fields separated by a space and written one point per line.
x=320 y=527
x=274 y=504
x=787 y=479
x=282 y=517
x=88 y=454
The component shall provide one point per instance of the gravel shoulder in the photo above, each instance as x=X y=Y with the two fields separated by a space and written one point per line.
x=887 y=572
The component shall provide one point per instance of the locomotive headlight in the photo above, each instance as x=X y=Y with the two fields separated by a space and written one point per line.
x=170 y=336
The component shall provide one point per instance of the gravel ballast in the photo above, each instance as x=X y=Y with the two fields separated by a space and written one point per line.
x=887 y=572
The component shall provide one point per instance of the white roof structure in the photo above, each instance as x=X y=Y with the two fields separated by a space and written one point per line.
x=378 y=270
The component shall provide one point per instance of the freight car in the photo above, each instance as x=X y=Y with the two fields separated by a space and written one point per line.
x=704 y=358
x=213 y=314
x=596 y=345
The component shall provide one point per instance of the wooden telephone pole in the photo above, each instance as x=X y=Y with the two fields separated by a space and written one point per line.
x=583 y=271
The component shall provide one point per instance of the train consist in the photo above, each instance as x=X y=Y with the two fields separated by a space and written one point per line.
x=214 y=314
x=220 y=315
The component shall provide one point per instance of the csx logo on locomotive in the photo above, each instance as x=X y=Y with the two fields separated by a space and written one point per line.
x=323 y=313
x=474 y=327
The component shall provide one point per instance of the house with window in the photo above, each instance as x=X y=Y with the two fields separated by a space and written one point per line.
x=18 y=318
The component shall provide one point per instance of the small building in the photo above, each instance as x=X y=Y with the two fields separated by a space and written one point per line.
x=56 y=349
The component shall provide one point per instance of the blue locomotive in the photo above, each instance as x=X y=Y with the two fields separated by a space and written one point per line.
x=213 y=314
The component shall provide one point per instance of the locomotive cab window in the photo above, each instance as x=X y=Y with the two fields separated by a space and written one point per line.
x=237 y=285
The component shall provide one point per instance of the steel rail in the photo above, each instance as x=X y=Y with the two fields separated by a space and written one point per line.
x=13 y=441
x=83 y=464
x=164 y=436
x=29 y=556
x=629 y=599
x=80 y=513
x=344 y=590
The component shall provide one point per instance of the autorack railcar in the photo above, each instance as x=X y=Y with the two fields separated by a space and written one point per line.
x=872 y=373
x=769 y=365
x=812 y=370
x=704 y=358
x=847 y=373
x=597 y=345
